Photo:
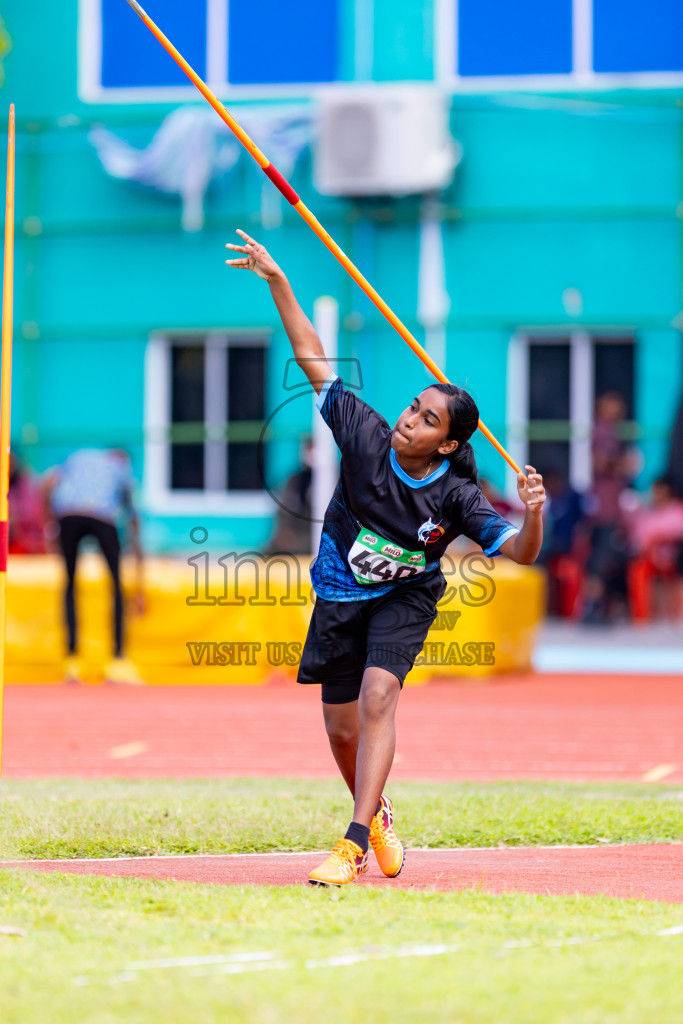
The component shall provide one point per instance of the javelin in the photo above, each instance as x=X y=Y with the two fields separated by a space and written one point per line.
x=7 y=294
x=291 y=196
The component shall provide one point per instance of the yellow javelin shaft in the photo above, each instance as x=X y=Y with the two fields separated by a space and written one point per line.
x=5 y=409
x=291 y=196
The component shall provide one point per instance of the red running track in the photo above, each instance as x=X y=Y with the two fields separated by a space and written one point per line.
x=600 y=727
x=631 y=872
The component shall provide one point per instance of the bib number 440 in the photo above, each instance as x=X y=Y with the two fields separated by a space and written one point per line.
x=374 y=568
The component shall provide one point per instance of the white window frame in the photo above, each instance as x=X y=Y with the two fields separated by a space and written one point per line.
x=582 y=75
x=158 y=495
x=581 y=393
x=91 y=90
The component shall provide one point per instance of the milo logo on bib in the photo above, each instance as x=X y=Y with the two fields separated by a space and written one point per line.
x=373 y=559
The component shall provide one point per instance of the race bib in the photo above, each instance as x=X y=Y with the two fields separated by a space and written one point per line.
x=375 y=560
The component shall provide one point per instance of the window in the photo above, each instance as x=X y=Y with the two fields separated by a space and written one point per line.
x=553 y=383
x=645 y=35
x=549 y=404
x=204 y=416
x=131 y=56
x=299 y=44
x=527 y=37
x=613 y=369
x=246 y=413
x=562 y=44
x=223 y=40
x=188 y=362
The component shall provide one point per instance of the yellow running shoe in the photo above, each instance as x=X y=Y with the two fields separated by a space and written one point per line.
x=384 y=841
x=346 y=862
x=124 y=672
x=73 y=670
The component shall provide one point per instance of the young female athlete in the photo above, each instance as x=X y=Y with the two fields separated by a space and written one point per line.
x=403 y=496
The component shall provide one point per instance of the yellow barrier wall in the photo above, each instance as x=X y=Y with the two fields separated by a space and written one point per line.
x=487 y=623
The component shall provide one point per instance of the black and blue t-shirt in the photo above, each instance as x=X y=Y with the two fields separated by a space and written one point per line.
x=383 y=528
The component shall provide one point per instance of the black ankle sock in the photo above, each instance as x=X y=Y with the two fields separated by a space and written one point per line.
x=379 y=807
x=358 y=834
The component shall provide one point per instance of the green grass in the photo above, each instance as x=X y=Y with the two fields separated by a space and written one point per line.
x=88 y=939
x=105 y=818
x=90 y=943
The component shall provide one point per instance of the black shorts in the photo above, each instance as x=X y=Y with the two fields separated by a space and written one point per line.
x=346 y=637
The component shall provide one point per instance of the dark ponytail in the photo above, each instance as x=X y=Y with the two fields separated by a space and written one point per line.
x=464 y=419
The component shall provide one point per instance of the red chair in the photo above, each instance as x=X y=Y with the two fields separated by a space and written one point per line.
x=640 y=575
x=566 y=584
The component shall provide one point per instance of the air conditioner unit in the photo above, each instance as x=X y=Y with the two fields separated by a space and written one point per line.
x=383 y=141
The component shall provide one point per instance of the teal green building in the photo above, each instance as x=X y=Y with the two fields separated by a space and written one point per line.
x=546 y=270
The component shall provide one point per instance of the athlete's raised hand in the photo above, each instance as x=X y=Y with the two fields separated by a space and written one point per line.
x=306 y=345
x=255 y=258
x=531 y=490
x=524 y=548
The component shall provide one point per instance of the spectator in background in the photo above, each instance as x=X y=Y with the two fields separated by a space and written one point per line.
x=674 y=471
x=613 y=468
x=26 y=514
x=293 y=529
x=563 y=516
x=87 y=496
x=656 y=541
x=565 y=512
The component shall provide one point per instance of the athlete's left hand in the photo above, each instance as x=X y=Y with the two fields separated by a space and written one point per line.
x=531 y=490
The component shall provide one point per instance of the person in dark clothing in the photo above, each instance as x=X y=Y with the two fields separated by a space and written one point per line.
x=86 y=496
x=674 y=472
x=605 y=586
x=565 y=512
x=563 y=516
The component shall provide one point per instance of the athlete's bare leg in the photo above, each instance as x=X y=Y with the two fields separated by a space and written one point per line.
x=377 y=741
x=343 y=730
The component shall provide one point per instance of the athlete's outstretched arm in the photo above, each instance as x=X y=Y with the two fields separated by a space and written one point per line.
x=306 y=345
x=525 y=547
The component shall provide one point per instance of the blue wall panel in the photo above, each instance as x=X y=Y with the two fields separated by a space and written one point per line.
x=659 y=365
x=85 y=408
x=516 y=273
x=545 y=159
x=406 y=32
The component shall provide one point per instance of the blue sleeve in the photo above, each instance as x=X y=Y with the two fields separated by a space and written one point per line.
x=320 y=400
x=346 y=415
x=482 y=524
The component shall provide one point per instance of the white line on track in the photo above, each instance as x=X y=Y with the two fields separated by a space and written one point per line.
x=200 y=961
x=243 y=963
x=305 y=853
x=162 y=856
x=659 y=772
x=128 y=750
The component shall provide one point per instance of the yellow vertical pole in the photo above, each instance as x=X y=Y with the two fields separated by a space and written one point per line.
x=5 y=405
